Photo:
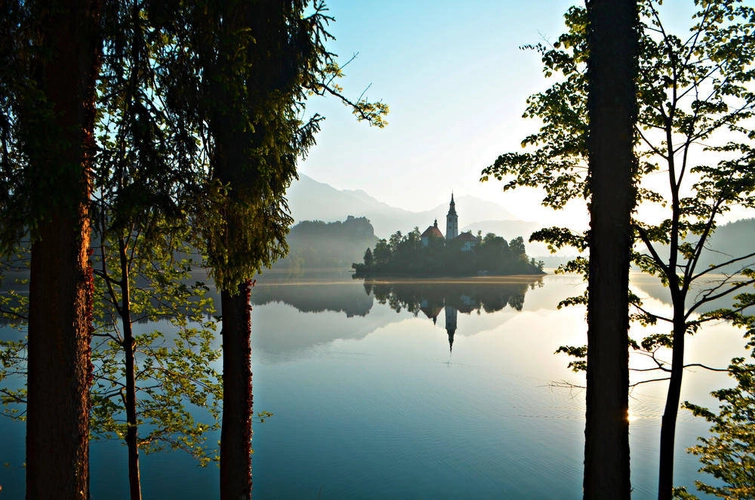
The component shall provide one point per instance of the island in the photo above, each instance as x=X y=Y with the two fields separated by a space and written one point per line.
x=430 y=254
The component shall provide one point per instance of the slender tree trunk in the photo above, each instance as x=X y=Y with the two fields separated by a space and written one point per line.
x=671 y=411
x=236 y=433
x=60 y=145
x=132 y=432
x=612 y=111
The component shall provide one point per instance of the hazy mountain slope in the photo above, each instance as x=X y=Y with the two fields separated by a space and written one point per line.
x=731 y=240
x=508 y=229
x=327 y=244
x=312 y=200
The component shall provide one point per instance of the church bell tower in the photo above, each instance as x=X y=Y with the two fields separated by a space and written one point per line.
x=452 y=221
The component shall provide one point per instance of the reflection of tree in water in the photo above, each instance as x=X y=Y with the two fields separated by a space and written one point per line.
x=453 y=296
x=339 y=297
x=464 y=296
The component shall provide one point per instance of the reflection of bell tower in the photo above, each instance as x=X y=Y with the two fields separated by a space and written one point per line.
x=450 y=325
x=452 y=221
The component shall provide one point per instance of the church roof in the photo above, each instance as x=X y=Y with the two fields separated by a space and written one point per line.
x=431 y=312
x=432 y=232
x=468 y=236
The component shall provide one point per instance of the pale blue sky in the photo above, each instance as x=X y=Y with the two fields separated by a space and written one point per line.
x=456 y=81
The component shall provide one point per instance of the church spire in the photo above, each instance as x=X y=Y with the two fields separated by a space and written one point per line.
x=452 y=220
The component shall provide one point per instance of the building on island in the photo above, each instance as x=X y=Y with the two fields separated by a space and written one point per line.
x=431 y=232
x=452 y=221
x=467 y=240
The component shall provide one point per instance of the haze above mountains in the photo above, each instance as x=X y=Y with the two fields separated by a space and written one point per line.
x=309 y=199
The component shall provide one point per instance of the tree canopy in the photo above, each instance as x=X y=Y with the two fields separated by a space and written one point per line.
x=695 y=163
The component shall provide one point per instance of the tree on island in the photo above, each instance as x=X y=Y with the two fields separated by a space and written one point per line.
x=695 y=106
x=407 y=255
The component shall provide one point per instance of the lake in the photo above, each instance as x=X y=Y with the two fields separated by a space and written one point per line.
x=425 y=389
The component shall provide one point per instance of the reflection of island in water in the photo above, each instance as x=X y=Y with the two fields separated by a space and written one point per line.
x=452 y=296
x=277 y=333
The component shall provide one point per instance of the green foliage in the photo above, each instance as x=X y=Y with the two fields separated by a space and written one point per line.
x=12 y=373
x=13 y=316
x=240 y=83
x=580 y=364
x=173 y=369
x=175 y=375
x=175 y=380
x=729 y=454
x=694 y=125
x=690 y=90
x=695 y=104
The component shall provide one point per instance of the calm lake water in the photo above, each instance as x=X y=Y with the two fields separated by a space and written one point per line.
x=417 y=390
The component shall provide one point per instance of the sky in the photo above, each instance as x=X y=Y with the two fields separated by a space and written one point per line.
x=456 y=82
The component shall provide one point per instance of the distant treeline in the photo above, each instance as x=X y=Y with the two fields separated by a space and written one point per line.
x=408 y=255
x=318 y=244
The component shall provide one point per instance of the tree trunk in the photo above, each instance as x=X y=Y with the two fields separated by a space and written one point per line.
x=671 y=411
x=236 y=433
x=132 y=432
x=59 y=141
x=612 y=111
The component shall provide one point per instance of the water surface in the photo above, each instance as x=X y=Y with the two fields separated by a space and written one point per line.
x=417 y=390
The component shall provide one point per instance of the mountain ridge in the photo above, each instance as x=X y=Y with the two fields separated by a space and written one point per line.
x=309 y=199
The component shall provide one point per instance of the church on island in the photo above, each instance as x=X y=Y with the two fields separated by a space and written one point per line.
x=466 y=240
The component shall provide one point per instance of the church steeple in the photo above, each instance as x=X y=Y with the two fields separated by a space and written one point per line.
x=452 y=221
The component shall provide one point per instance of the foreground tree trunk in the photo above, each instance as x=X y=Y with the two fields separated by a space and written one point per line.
x=612 y=111
x=671 y=410
x=236 y=433
x=59 y=141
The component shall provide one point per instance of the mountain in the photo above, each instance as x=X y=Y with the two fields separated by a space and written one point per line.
x=733 y=239
x=508 y=229
x=312 y=200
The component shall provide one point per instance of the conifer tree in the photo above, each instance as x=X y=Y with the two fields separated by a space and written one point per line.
x=243 y=88
x=48 y=90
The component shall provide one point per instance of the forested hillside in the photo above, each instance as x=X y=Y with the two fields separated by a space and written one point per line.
x=318 y=244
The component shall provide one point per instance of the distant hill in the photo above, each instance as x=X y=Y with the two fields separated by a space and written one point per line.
x=312 y=200
x=318 y=244
x=730 y=240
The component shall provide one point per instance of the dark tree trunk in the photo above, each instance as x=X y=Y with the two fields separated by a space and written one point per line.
x=132 y=432
x=236 y=434
x=671 y=410
x=612 y=111
x=60 y=146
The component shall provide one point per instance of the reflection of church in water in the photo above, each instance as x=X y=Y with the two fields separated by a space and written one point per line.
x=450 y=313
